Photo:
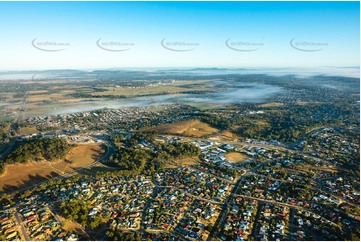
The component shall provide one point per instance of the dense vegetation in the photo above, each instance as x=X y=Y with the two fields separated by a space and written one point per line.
x=4 y=135
x=77 y=210
x=285 y=123
x=118 y=235
x=134 y=160
x=39 y=149
x=130 y=159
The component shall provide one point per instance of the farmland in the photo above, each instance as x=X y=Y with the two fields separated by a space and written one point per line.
x=173 y=88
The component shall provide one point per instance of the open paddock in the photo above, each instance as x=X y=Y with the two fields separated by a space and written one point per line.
x=21 y=175
x=193 y=128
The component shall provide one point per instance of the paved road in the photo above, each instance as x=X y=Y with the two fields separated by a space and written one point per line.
x=224 y=206
x=254 y=228
x=20 y=113
x=150 y=200
x=291 y=225
x=19 y=117
x=54 y=214
x=252 y=170
x=18 y=220
x=21 y=109
x=8 y=150
x=222 y=214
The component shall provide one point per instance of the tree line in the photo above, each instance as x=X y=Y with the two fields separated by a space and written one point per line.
x=38 y=149
x=133 y=160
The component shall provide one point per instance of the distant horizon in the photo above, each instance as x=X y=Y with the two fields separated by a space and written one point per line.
x=348 y=71
x=175 y=68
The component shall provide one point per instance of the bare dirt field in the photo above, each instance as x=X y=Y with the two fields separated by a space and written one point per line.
x=22 y=175
x=236 y=157
x=271 y=104
x=228 y=135
x=183 y=162
x=188 y=161
x=194 y=128
x=306 y=103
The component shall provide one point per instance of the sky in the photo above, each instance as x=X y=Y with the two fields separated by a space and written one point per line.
x=100 y=35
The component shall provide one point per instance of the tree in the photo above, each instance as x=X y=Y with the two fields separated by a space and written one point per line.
x=96 y=221
x=27 y=193
x=38 y=149
x=137 y=237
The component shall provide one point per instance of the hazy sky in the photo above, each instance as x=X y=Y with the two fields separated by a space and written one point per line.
x=194 y=34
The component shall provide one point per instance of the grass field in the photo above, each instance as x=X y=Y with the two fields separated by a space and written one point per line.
x=176 y=87
x=5 y=118
x=22 y=175
x=236 y=157
x=271 y=104
x=183 y=162
x=228 y=135
x=60 y=93
x=72 y=226
x=27 y=130
x=69 y=225
x=193 y=128
x=205 y=106
x=42 y=95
